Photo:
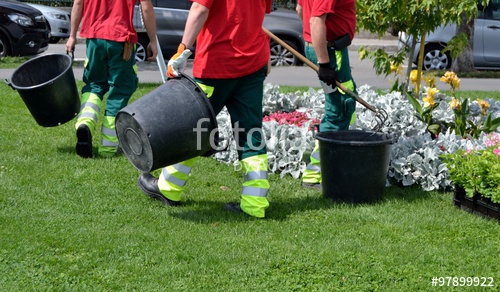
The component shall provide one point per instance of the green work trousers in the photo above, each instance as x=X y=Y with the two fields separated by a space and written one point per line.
x=339 y=107
x=106 y=72
x=243 y=100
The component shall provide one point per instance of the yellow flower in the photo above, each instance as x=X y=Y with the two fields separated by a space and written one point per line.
x=430 y=81
x=429 y=99
x=455 y=104
x=413 y=76
x=455 y=83
x=484 y=105
x=452 y=79
x=396 y=69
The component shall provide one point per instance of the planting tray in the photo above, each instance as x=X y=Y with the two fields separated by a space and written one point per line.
x=477 y=204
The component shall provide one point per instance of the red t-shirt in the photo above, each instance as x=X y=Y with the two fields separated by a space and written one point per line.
x=341 y=17
x=232 y=43
x=109 y=20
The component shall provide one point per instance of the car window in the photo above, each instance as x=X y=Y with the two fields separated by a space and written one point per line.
x=174 y=4
x=492 y=11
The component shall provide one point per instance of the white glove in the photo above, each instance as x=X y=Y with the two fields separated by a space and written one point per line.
x=178 y=62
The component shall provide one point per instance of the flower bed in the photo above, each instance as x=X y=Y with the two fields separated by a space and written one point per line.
x=416 y=157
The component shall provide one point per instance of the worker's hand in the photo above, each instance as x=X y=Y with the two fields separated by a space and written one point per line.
x=328 y=75
x=152 y=51
x=178 y=62
x=70 y=44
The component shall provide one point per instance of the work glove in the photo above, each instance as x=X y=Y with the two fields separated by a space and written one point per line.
x=328 y=75
x=178 y=62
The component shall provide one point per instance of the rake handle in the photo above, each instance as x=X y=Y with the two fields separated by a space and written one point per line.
x=316 y=68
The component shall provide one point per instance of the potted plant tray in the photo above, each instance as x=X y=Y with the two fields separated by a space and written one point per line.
x=477 y=204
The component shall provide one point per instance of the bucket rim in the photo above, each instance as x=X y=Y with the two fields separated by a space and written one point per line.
x=389 y=138
x=17 y=87
x=206 y=101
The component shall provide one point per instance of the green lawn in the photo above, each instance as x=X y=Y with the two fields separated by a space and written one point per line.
x=70 y=224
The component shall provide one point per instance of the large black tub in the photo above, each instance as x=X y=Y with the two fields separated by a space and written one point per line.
x=170 y=124
x=354 y=164
x=48 y=88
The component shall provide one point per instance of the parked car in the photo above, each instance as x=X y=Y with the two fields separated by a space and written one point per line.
x=23 y=30
x=486 y=53
x=171 y=16
x=58 y=20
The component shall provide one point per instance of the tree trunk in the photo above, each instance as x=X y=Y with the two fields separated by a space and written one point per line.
x=464 y=62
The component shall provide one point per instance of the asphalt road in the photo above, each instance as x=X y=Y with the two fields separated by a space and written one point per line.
x=362 y=72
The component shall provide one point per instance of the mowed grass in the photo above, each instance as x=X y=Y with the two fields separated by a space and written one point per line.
x=73 y=224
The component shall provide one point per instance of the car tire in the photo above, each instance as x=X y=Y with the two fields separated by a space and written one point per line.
x=435 y=58
x=280 y=56
x=141 y=52
x=4 y=46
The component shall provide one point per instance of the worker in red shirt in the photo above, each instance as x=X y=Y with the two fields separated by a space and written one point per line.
x=231 y=63
x=109 y=67
x=328 y=28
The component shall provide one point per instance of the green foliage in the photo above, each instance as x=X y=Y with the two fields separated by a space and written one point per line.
x=12 y=62
x=478 y=172
x=456 y=45
x=415 y=17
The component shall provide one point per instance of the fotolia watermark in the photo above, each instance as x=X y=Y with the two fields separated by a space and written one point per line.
x=253 y=135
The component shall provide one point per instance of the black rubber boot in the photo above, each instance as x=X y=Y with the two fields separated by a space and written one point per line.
x=149 y=185
x=83 y=142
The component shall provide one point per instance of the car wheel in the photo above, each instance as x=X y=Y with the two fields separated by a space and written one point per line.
x=141 y=53
x=4 y=46
x=280 y=56
x=435 y=59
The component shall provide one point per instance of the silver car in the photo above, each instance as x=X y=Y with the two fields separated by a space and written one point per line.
x=171 y=16
x=486 y=53
x=58 y=21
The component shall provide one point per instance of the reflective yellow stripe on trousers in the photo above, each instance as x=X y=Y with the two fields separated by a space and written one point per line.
x=173 y=179
x=89 y=110
x=255 y=186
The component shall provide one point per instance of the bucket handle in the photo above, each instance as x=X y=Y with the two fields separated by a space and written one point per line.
x=72 y=55
x=9 y=84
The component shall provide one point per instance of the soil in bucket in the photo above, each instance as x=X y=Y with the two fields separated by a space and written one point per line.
x=48 y=88
x=354 y=164
x=170 y=124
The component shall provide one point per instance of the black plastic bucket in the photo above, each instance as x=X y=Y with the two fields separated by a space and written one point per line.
x=48 y=88
x=354 y=164
x=158 y=129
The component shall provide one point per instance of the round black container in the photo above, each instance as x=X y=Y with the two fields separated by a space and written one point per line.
x=48 y=88
x=170 y=124
x=354 y=164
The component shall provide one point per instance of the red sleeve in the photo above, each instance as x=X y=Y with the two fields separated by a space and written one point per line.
x=269 y=4
x=322 y=7
x=206 y=3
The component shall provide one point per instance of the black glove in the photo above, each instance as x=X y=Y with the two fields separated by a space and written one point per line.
x=328 y=75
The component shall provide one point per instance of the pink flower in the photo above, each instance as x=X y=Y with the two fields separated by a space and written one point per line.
x=497 y=151
x=493 y=139
x=294 y=118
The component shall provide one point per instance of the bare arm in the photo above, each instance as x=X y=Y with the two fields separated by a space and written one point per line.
x=318 y=35
x=197 y=17
x=299 y=11
x=149 y=19
x=76 y=18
